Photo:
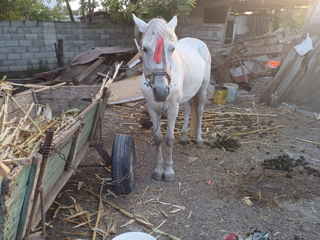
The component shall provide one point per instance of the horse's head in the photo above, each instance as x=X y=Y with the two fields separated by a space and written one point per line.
x=158 y=44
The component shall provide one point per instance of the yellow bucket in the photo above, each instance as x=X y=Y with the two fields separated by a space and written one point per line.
x=220 y=95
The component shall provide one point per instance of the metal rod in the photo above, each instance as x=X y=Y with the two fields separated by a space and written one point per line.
x=45 y=151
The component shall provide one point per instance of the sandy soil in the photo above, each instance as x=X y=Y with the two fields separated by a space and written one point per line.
x=210 y=186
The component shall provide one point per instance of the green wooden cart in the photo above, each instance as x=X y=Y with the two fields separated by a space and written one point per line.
x=18 y=189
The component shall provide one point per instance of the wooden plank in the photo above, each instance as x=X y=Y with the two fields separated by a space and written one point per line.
x=90 y=69
x=86 y=129
x=11 y=199
x=27 y=205
x=137 y=56
x=55 y=167
x=126 y=89
x=58 y=106
x=70 y=92
x=49 y=198
x=99 y=114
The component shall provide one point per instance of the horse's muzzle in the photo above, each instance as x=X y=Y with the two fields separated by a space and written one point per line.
x=160 y=88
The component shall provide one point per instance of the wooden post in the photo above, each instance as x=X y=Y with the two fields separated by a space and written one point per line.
x=59 y=52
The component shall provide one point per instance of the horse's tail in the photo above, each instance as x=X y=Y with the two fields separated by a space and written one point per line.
x=201 y=94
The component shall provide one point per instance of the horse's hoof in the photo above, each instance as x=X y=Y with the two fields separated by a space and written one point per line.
x=169 y=176
x=199 y=142
x=157 y=175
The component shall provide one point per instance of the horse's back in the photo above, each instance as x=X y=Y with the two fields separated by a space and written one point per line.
x=193 y=44
x=195 y=62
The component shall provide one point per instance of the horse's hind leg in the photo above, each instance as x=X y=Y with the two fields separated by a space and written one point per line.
x=155 y=116
x=201 y=95
x=184 y=137
x=172 y=116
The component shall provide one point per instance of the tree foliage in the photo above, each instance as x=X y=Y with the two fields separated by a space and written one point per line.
x=147 y=9
x=29 y=10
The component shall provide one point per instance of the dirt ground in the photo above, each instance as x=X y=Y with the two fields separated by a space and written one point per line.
x=207 y=198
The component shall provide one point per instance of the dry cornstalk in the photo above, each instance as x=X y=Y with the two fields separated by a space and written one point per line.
x=28 y=85
x=308 y=141
x=76 y=215
x=100 y=209
x=84 y=234
x=106 y=83
x=124 y=212
x=258 y=131
x=19 y=106
x=5 y=112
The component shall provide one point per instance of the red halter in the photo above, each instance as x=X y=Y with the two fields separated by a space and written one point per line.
x=158 y=51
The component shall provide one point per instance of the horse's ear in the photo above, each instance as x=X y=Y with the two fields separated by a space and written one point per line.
x=173 y=23
x=142 y=25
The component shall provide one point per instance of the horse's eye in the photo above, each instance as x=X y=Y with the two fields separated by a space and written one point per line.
x=144 y=49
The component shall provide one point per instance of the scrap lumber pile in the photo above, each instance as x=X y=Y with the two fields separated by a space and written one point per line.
x=251 y=62
x=88 y=68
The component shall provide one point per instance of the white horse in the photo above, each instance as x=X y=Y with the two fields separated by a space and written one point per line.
x=174 y=72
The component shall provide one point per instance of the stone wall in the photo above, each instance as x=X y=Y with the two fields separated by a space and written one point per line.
x=29 y=45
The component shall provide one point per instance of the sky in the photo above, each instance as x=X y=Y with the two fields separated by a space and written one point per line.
x=74 y=4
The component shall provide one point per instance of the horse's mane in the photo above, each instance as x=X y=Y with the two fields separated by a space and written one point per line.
x=157 y=27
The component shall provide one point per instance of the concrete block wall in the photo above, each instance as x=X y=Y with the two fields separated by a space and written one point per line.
x=211 y=34
x=26 y=45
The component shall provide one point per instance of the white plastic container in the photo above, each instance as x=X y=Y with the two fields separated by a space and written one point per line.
x=134 y=236
x=232 y=91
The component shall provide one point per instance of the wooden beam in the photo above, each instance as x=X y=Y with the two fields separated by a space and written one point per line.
x=90 y=69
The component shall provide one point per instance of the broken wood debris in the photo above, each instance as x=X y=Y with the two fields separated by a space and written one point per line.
x=251 y=62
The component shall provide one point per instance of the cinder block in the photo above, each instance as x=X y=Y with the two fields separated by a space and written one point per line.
x=33 y=24
x=9 y=30
x=24 y=30
x=36 y=30
x=32 y=36
x=104 y=36
x=18 y=36
x=3 y=56
x=6 y=50
x=11 y=44
x=16 y=68
x=25 y=42
x=27 y=55
x=17 y=23
x=3 y=69
x=12 y=56
x=5 y=37
x=37 y=43
x=19 y=49
x=33 y=49
x=4 y=23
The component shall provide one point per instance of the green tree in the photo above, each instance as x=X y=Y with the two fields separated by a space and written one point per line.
x=87 y=9
x=29 y=10
x=147 y=9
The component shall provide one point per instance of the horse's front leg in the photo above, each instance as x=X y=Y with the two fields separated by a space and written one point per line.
x=172 y=116
x=155 y=116
x=184 y=132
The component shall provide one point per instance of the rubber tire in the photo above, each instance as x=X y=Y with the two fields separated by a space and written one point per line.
x=123 y=163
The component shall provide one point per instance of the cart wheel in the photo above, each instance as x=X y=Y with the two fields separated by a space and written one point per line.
x=123 y=159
